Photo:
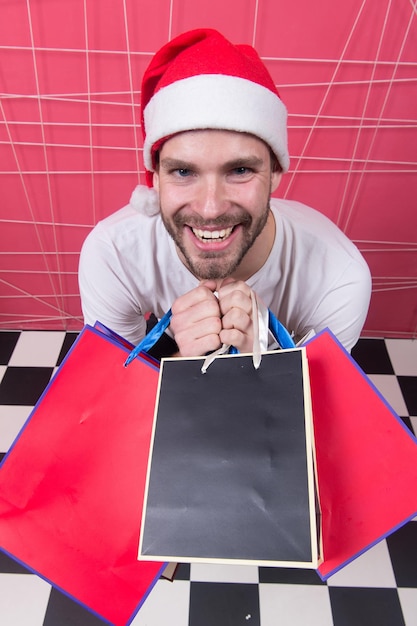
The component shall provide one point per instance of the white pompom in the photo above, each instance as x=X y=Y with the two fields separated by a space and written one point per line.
x=145 y=200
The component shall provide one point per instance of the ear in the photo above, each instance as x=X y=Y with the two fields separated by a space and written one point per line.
x=275 y=180
x=155 y=181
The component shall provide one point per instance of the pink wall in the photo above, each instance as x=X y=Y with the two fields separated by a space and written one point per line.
x=70 y=143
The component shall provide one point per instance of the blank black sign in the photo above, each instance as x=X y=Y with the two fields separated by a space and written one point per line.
x=230 y=475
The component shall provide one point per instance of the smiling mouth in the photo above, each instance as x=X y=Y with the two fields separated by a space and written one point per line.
x=212 y=235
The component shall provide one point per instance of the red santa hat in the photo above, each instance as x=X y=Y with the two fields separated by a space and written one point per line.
x=200 y=80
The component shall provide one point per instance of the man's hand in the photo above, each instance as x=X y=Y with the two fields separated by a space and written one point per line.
x=196 y=321
x=202 y=322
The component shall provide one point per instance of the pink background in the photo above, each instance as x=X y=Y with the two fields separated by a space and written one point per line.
x=70 y=141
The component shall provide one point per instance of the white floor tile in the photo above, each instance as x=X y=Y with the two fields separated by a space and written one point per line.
x=168 y=603
x=295 y=605
x=12 y=418
x=371 y=569
x=390 y=389
x=3 y=369
x=408 y=600
x=202 y=572
x=37 y=349
x=413 y=421
x=403 y=355
x=23 y=599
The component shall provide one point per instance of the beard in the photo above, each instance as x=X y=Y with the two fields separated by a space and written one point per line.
x=212 y=265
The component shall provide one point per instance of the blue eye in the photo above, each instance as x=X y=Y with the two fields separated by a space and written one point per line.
x=183 y=172
x=241 y=170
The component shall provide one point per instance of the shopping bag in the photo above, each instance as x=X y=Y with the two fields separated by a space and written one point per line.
x=231 y=475
x=231 y=463
x=71 y=486
x=366 y=457
x=365 y=462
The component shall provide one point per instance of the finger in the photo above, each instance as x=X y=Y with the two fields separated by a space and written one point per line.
x=212 y=285
x=197 y=336
x=237 y=318
x=197 y=347
x=243 y=341
x=200 y=313
x=200 y=294
x=229 y=284
x=186 y=329
x=236 y=295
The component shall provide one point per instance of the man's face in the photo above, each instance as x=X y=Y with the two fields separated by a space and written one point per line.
x=214 y=188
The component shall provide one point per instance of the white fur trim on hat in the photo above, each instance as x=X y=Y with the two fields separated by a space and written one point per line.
x=145 y=200
x=217 y=101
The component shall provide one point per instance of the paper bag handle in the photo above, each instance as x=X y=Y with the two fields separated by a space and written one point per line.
x=279 y=331
x=151 y=338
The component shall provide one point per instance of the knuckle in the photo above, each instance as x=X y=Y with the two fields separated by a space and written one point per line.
x=236 y=318
x=232 y=337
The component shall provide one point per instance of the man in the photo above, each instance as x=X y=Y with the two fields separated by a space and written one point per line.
x=204 y=234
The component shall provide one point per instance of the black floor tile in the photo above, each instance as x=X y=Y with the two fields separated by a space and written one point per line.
x=289 y=576
x=67 y=344
x=182 y=572
x=409 y=424
x=224 y=604
x=62 y=611
x=402 y=546
x=8 y=340
x=24 y=385
x=408 y=386
x=10 y=566
x=365 y=607
x=372 y=356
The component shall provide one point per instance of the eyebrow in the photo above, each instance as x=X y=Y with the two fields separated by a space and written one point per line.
x=176 y=164
x=250 y=161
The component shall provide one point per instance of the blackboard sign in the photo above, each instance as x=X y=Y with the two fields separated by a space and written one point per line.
x=231 y=473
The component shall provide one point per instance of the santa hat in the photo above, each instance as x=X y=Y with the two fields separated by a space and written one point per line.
x=200 y=80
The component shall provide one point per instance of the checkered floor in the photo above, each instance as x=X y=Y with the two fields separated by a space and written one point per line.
x=379 y=588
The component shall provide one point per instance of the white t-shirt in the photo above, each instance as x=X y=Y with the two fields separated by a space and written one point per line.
x=314 y=277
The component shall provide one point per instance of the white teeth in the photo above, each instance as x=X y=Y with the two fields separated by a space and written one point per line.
x=211 y=235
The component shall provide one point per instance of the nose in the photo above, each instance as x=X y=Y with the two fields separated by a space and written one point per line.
x=211 y=201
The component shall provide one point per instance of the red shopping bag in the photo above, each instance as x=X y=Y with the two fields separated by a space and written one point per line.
x=71 y=487
x=366 y=457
